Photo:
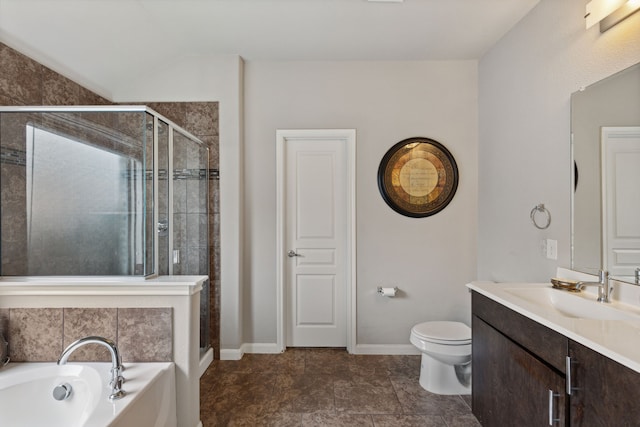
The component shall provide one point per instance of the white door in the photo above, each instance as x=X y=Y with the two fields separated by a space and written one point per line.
x=316 y=228
x=621 y=199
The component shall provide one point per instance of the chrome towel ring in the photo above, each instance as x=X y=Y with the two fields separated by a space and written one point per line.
x=540 y=208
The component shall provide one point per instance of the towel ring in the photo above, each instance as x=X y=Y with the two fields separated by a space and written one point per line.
x=535 y=210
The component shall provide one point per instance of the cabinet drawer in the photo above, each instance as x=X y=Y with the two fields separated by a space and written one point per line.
x=538 y=339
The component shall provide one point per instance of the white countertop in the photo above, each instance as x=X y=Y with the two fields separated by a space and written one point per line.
x=616 y=339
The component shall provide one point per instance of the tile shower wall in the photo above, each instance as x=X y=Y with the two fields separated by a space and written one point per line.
x=201 y=120
x=24 y=81
x=40 y=334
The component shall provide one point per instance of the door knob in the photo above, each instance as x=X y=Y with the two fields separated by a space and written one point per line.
x=292 y=253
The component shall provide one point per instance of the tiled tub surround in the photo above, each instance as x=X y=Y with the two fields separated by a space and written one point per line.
x=40 y=334
x=24 y=81
x=157 y=318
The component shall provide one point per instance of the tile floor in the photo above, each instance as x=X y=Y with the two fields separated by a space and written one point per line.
x=325 y=387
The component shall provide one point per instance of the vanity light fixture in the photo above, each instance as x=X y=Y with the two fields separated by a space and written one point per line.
x=609 y=12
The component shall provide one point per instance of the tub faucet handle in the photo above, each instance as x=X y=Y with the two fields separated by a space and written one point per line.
x=116 y=388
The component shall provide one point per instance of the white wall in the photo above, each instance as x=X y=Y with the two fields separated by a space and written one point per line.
x=429 y=259
x=525 y=84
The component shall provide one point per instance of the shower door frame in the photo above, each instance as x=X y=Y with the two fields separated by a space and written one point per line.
x=156 y=118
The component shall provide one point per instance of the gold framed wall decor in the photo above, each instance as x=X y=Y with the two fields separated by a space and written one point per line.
x=418 y=177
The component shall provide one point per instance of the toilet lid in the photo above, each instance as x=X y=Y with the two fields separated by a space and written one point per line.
x=443 y=331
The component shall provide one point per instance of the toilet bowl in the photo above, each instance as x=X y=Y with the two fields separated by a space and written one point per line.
x=445 y=367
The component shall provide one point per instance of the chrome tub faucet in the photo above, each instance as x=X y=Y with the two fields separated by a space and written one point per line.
x=116 y=364
x=604 y=287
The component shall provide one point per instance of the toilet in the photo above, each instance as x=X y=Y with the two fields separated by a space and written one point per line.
x=445 y=367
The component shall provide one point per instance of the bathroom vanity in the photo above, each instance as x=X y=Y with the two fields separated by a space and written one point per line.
x=537 y=363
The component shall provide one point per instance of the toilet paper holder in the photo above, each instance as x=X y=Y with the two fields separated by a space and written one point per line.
x=388 y=292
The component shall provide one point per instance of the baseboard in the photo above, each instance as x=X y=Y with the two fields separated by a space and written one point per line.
x=205 y=361
x=231 y=354
x=273 y=348
x=386 y=349
x=261 y=348
x=251 y=348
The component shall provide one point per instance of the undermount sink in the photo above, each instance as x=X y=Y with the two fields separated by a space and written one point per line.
x=575 y=305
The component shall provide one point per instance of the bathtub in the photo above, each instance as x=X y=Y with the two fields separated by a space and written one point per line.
x=26 y=397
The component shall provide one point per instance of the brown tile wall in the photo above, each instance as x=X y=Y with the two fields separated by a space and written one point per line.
x=40 y=334
x=24 y=81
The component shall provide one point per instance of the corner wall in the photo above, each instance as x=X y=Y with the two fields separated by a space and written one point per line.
x=24 y=81
x=525 y=85
x=203 y=79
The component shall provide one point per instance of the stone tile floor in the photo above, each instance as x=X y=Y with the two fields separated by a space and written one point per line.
x=325 y=387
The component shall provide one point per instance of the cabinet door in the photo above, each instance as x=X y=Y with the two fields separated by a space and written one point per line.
x=510 y=386
x=604 y=393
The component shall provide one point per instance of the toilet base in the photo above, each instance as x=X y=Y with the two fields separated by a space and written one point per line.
x=440 y=378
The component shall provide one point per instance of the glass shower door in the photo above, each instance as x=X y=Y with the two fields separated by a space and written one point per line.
x=73 y=194
x=162 y=222
x=191 y=219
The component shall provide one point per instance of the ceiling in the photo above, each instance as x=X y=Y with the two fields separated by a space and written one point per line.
x=103 y=41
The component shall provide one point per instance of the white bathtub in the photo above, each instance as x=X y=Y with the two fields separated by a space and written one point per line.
x=26 y=395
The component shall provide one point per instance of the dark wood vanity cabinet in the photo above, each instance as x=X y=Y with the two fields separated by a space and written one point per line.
x=516 y=362
x=603 y=392
x=513 y=386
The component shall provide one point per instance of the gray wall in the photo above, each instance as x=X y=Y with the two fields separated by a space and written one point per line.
x=525 y=85
x=429 y=259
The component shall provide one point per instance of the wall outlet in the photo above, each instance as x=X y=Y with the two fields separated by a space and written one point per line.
x=551 y=249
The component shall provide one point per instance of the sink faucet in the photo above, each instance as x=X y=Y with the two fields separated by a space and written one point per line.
x=604 y=287
x=116 y=365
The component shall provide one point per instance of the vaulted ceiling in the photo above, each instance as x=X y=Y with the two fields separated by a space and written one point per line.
x=103 y=41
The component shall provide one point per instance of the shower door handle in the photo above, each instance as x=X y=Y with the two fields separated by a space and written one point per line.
x=292 y=254
x=163 y=227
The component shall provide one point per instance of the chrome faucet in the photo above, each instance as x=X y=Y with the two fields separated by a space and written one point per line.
x=116 y=364
x=604 y=287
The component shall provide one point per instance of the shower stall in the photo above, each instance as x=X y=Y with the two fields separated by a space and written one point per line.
x=102 y=191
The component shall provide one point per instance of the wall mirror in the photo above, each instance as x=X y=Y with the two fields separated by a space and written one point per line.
x=605 y=151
